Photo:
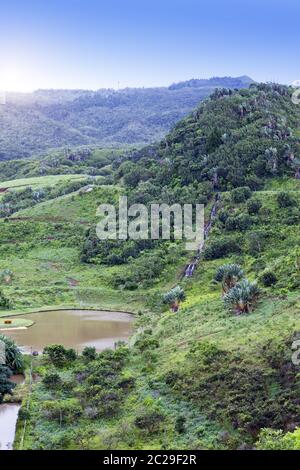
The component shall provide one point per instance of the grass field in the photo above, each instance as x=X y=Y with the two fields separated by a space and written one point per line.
x=40 y=181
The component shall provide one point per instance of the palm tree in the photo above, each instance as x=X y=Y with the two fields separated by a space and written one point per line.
x=174 y=297
x=13 y=355
x=229 y=275
x=242 y=297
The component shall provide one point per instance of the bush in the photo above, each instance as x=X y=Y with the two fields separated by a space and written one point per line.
x=272 y=439
x=253 y=206
x=180 y=424
x=89 y=353
x=64 y=411
x=241 y=194
x=149 y=421
x=6 y=386
x=204 y=353
x=220 y=248
x=268 y=278
x=52 y=380
x=60 y=356
x=4 y=301
x=240 y=222
x=285 y=200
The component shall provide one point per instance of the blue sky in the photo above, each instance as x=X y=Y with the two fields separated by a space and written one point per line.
x=94 y=43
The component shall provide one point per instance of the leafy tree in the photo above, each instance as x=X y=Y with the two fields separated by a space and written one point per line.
x=242 y=297
x=229 y=275
x=253 y=206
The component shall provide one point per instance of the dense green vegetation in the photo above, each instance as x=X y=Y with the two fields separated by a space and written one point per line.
x=92 y=161
x=13 y=363
x=210 y=363
x=48 y=119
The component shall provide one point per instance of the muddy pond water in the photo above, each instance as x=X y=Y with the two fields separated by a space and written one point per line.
x=74 y=329
x=8 y=419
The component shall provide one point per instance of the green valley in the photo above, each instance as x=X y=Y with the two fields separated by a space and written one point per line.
x=216 y=372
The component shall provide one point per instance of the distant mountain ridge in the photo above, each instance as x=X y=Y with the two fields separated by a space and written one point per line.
x=225 y=82
x=33 y=123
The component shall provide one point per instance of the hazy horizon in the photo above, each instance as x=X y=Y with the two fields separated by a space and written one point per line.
x=117 y=89
x=93 y=44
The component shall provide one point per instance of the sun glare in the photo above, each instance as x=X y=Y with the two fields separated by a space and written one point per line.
x=13 y=78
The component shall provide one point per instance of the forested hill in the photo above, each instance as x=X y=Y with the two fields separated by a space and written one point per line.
x=46 y=119
x=234 y=138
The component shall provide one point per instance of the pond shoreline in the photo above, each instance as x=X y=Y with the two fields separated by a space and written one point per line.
x=9 y=413
x=11 y=313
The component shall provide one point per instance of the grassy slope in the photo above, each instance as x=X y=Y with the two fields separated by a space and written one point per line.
x=41 y=246
x=203 y=318
x=40 y=181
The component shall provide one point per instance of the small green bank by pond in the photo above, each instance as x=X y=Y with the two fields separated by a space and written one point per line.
x=14 y=323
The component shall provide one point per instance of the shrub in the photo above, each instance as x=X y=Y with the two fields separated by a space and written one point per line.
x=268 y=278
x=253 y=206
x=89 y=353
x=149 y=421
x=240 y=194
x=285 y=200
x=52 y=380
x=240 y=222
x=220 y=248
x=204 y=353
x=58 y=355
x=64 y=411
x=4 y=301
x=273 y=439
x=180 y=424
x=6 y=387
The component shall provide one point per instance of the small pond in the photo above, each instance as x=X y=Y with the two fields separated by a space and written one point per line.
x=74 y=329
